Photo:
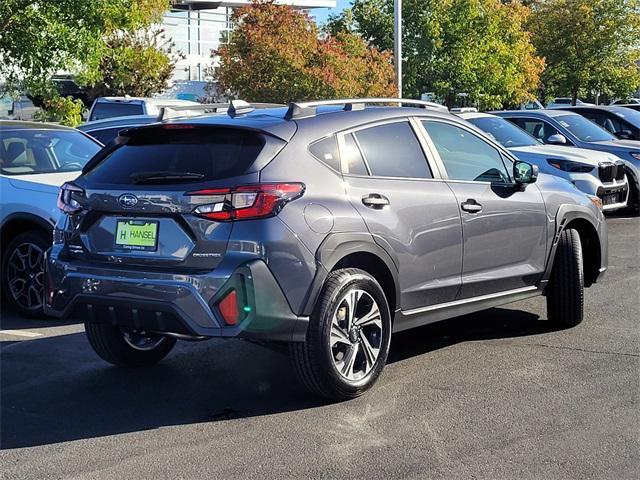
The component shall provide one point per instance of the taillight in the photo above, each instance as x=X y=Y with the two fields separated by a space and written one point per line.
x=66 y=202
x=246 y=201
x=228 y=307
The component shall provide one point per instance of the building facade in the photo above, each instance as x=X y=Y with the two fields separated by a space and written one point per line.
x=197 y=27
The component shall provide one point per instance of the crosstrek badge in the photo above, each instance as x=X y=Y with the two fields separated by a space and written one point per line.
x=137 y=235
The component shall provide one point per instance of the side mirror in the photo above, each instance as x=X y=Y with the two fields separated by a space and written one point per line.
x=557 y=139
x=524 y=172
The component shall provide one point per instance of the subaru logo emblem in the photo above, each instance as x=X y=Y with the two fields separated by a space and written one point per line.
x=127 y=200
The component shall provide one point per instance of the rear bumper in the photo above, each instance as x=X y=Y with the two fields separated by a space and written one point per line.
x=183 y=305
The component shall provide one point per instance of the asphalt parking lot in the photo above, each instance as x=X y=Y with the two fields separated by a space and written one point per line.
x=493 y=395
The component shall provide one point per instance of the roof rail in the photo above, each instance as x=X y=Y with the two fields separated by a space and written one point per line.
x=308 y=109
x=233 y=108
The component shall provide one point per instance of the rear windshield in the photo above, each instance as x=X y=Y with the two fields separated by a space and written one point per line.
x=103 y=110
x=162 y=156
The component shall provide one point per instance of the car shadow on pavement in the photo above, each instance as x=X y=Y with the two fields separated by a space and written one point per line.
x=56 y=389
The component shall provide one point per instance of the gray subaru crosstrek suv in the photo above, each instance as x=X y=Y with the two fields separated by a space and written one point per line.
x=325 y=225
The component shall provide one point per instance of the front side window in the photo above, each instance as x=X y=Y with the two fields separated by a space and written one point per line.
x=393 y=150
x=584 y=129
x=505 y=132
x=24 y=152
x=536 y=128
x=466 y=156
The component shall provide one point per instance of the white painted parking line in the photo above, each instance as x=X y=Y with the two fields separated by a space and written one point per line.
x=20 y=333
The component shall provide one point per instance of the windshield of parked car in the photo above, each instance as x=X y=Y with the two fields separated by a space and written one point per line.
x=584 y=129
x=24 y=152
x=504 y=132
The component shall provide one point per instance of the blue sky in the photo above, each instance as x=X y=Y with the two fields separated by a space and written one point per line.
x=321 y=14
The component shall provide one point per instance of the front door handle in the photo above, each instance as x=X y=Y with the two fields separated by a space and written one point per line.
x=375 y=200
x=471 y=206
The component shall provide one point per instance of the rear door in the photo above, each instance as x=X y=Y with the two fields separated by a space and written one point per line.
x=391 y=184
x=504 y=227
x=139 y=202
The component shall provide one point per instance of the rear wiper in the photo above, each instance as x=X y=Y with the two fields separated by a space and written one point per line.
x=163 y=176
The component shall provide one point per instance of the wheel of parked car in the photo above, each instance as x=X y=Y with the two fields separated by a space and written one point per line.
x=565 y=292
x=23 y=272
x=348 y=337
x=127 y=348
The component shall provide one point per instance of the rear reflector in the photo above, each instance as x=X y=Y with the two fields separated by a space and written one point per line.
x=228 y=307
x=247 y=201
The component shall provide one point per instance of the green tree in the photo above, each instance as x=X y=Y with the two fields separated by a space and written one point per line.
x=588 y=45
x=136 y=63
x=40 y=37
x=473 y=47
x=275 y=54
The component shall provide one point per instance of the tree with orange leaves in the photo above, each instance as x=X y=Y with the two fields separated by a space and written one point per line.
x=275 y=54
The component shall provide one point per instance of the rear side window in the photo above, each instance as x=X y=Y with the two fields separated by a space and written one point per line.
x=353 y=156
x=195 y=155
x=115 y=109
x=392 y=150
x=326 y=150
x=106 y=135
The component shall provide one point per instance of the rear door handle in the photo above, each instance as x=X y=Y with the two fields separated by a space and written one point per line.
x=471 y=206
x=375 y=200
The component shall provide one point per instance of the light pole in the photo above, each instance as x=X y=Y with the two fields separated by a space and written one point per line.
x=397 y=43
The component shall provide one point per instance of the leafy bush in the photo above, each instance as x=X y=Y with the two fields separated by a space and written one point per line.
x=64 y=110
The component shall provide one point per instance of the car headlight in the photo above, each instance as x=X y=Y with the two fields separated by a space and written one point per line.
x=635 y=155
x=569 y=166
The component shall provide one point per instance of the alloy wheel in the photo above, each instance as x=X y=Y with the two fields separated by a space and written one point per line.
x=25 y=276
x=356 y=334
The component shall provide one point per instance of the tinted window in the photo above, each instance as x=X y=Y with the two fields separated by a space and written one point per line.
x=115 y=109
x=106 y=135
x=609 y=122
x=504 y=132
x=392 y=150
x=44 y=151
x=584 y=129
x=536 y=128
x=326 y=150
x=466 y=156
x=204 y=154
x=629 y=115
x=353 y=157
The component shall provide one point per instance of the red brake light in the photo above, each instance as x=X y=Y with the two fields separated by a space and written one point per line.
x=228 y=307
x=247 y=201
x=66 y=203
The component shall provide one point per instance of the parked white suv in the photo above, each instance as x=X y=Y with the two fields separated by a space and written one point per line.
x=109 y=107
x=35 y=159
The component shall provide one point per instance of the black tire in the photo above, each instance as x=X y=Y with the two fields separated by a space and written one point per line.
x=314 y=359
x=565 y=292
x=24 y=289
x=633 y=201
x=110 y=345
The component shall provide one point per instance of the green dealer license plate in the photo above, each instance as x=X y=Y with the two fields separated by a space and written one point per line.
x=137 y=234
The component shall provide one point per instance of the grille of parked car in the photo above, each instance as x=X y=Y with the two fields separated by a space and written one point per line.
x=619 y=170
x=607 y=172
